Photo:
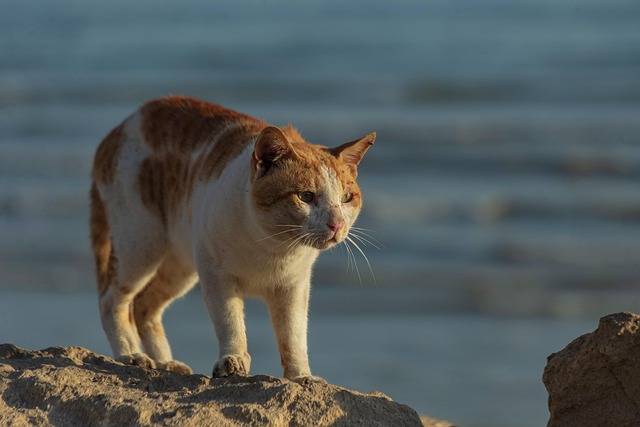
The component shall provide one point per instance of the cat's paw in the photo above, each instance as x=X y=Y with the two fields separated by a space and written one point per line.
x=175 y=366
x=231 y=364
x=308 y=379
x=137 y=359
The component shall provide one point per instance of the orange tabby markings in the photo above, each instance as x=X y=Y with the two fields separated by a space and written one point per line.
x=162 y=183
x=101 y=241
x=229 y=144
x=174 y=128
x=106 y=158
x=180 y=124
x=295 y=173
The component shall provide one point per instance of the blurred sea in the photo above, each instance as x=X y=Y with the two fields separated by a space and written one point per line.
x=504 y=186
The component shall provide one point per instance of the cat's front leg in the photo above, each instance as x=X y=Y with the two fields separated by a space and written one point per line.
x=288 y=306
x=226 y=309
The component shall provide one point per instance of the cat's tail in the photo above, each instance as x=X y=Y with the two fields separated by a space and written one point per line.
x=101 y=241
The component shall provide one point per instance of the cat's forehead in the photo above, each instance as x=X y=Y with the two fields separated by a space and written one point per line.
x=322 y=166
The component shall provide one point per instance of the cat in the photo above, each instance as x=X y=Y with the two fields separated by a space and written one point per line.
x=183 y=191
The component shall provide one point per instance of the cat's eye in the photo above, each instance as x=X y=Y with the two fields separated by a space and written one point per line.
x=347 y=197
x=306 y=196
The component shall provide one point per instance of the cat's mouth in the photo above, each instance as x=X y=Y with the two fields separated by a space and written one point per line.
x=325 y=242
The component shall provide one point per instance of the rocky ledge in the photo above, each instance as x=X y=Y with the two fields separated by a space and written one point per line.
x=73 y=386
x=595 y=380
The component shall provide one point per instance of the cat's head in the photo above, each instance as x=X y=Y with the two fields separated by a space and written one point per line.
x=306 y=194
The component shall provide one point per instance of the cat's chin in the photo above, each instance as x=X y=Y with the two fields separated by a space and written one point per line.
x=327 y=244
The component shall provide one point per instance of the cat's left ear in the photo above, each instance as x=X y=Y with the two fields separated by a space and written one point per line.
x=352 y=152
x=272 y=146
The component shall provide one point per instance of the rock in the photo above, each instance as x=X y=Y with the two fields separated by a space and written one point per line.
x=73 y=386
x=595 y=380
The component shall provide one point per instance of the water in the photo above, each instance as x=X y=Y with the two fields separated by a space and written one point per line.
x=507 y=131
x=503 y=186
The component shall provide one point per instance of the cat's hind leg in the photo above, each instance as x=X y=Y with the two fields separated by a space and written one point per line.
x=172 y=280
x=137 y=246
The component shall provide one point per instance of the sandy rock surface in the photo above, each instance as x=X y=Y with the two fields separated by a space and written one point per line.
x=595 y=380
x=73 y=386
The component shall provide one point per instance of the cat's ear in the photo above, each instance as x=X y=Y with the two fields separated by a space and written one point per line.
x=352 y=152
x=271 y=146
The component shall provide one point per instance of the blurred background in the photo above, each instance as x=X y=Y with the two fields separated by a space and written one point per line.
x=503 y=189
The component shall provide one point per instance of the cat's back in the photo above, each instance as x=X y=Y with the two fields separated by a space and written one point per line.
x=160 y=153
x=183 y=124
x=176 y=129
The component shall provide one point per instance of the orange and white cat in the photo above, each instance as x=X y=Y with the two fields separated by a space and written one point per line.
x=185 y=191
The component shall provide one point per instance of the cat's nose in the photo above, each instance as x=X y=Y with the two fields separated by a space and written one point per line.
x=335 y=226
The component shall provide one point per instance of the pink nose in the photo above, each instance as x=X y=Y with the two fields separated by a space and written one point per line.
x=335 y=226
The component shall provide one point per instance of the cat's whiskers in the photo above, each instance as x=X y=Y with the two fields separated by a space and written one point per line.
x=355 y=264
x=363 y=239
x=290 y=239
x=362 y=233
x=309 y=240
x=292 y=228
x=276 y=234
x=363 y=255
x=353 y=227
x=348 y=258
x=297 y=240
x=318 y=237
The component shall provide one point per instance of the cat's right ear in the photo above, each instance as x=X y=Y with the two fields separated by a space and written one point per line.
x=271 y=146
